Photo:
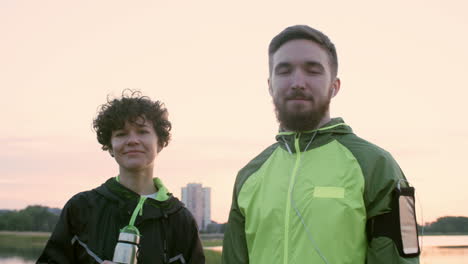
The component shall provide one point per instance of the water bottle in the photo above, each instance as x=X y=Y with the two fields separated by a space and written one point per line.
x=127 y=247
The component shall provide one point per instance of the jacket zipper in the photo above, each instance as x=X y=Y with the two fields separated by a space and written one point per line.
x=288 y=200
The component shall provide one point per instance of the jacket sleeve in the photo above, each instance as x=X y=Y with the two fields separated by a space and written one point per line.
x=59 y=248
x=234 y=244
x=384 y=175
x=382 y=250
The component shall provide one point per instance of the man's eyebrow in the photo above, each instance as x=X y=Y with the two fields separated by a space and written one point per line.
x=282 y=64
x=314 y=64
x=310 y=63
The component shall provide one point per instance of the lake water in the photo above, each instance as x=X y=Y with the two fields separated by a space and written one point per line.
x=436 y=250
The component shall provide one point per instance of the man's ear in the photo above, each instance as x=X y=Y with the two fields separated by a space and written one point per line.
x=111 y=152
x=336 y=85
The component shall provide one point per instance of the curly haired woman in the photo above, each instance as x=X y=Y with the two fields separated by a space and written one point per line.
x=133 y=129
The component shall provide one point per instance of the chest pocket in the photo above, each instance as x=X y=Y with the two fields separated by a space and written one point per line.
x=329 y=192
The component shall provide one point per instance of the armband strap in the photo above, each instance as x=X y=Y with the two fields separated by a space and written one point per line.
x=399 y=224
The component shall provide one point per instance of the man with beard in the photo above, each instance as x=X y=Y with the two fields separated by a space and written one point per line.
x=320 y=194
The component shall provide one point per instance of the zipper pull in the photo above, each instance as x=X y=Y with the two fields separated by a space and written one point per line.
x=296 y=143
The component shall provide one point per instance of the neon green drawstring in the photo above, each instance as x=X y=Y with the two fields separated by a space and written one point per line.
x=138 y=209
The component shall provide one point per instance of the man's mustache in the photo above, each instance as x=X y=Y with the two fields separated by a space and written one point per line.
x=298 y=95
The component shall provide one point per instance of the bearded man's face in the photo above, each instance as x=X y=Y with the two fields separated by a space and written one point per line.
x=301 y=85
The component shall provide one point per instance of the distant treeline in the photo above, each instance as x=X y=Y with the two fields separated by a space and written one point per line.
x=214 y=228
x=41 y=218
x=448 y=224
x=32 y=218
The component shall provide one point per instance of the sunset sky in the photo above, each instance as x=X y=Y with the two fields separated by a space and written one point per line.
x=401 y=67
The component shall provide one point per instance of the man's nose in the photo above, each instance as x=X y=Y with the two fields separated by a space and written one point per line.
x=298 y=80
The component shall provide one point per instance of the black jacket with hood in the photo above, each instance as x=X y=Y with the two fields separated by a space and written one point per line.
x=90 y=223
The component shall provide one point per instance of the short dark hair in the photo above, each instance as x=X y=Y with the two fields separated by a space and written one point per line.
x=308 y=33
x=132 y=106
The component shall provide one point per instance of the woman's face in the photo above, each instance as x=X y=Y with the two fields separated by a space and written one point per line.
x=135 y=146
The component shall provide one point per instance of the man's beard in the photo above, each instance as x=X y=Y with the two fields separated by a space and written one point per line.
x=301 y=121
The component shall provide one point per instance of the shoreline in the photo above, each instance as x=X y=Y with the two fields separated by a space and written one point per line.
x=204 y=236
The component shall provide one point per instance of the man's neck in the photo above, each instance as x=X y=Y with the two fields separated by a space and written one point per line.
x=322 y=122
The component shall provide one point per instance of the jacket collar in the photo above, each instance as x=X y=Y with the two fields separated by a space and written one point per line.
x=128 y=199
x=312 y=138
x=162 y=192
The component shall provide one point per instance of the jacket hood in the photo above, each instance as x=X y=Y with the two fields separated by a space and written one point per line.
x=335 y=125
x=128 y=199
x=313 y=138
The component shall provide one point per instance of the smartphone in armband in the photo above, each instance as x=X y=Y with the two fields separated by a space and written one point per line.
x=399 y=224
x=408 y=225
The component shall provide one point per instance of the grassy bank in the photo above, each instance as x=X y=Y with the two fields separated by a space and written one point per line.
x=212 y=257
x=25 y=244
x=30 y=244
x=23 y=239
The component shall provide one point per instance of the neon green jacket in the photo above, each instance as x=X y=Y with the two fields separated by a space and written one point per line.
x=306 y=199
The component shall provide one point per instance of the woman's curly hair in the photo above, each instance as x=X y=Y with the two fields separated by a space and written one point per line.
x=132 y=106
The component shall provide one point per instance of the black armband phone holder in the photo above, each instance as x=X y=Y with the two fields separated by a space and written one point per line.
x=400 y=224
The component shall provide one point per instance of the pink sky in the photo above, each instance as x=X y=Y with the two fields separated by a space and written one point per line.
x=401 y=68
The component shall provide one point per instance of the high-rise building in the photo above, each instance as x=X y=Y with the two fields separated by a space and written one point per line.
x=198 y=200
